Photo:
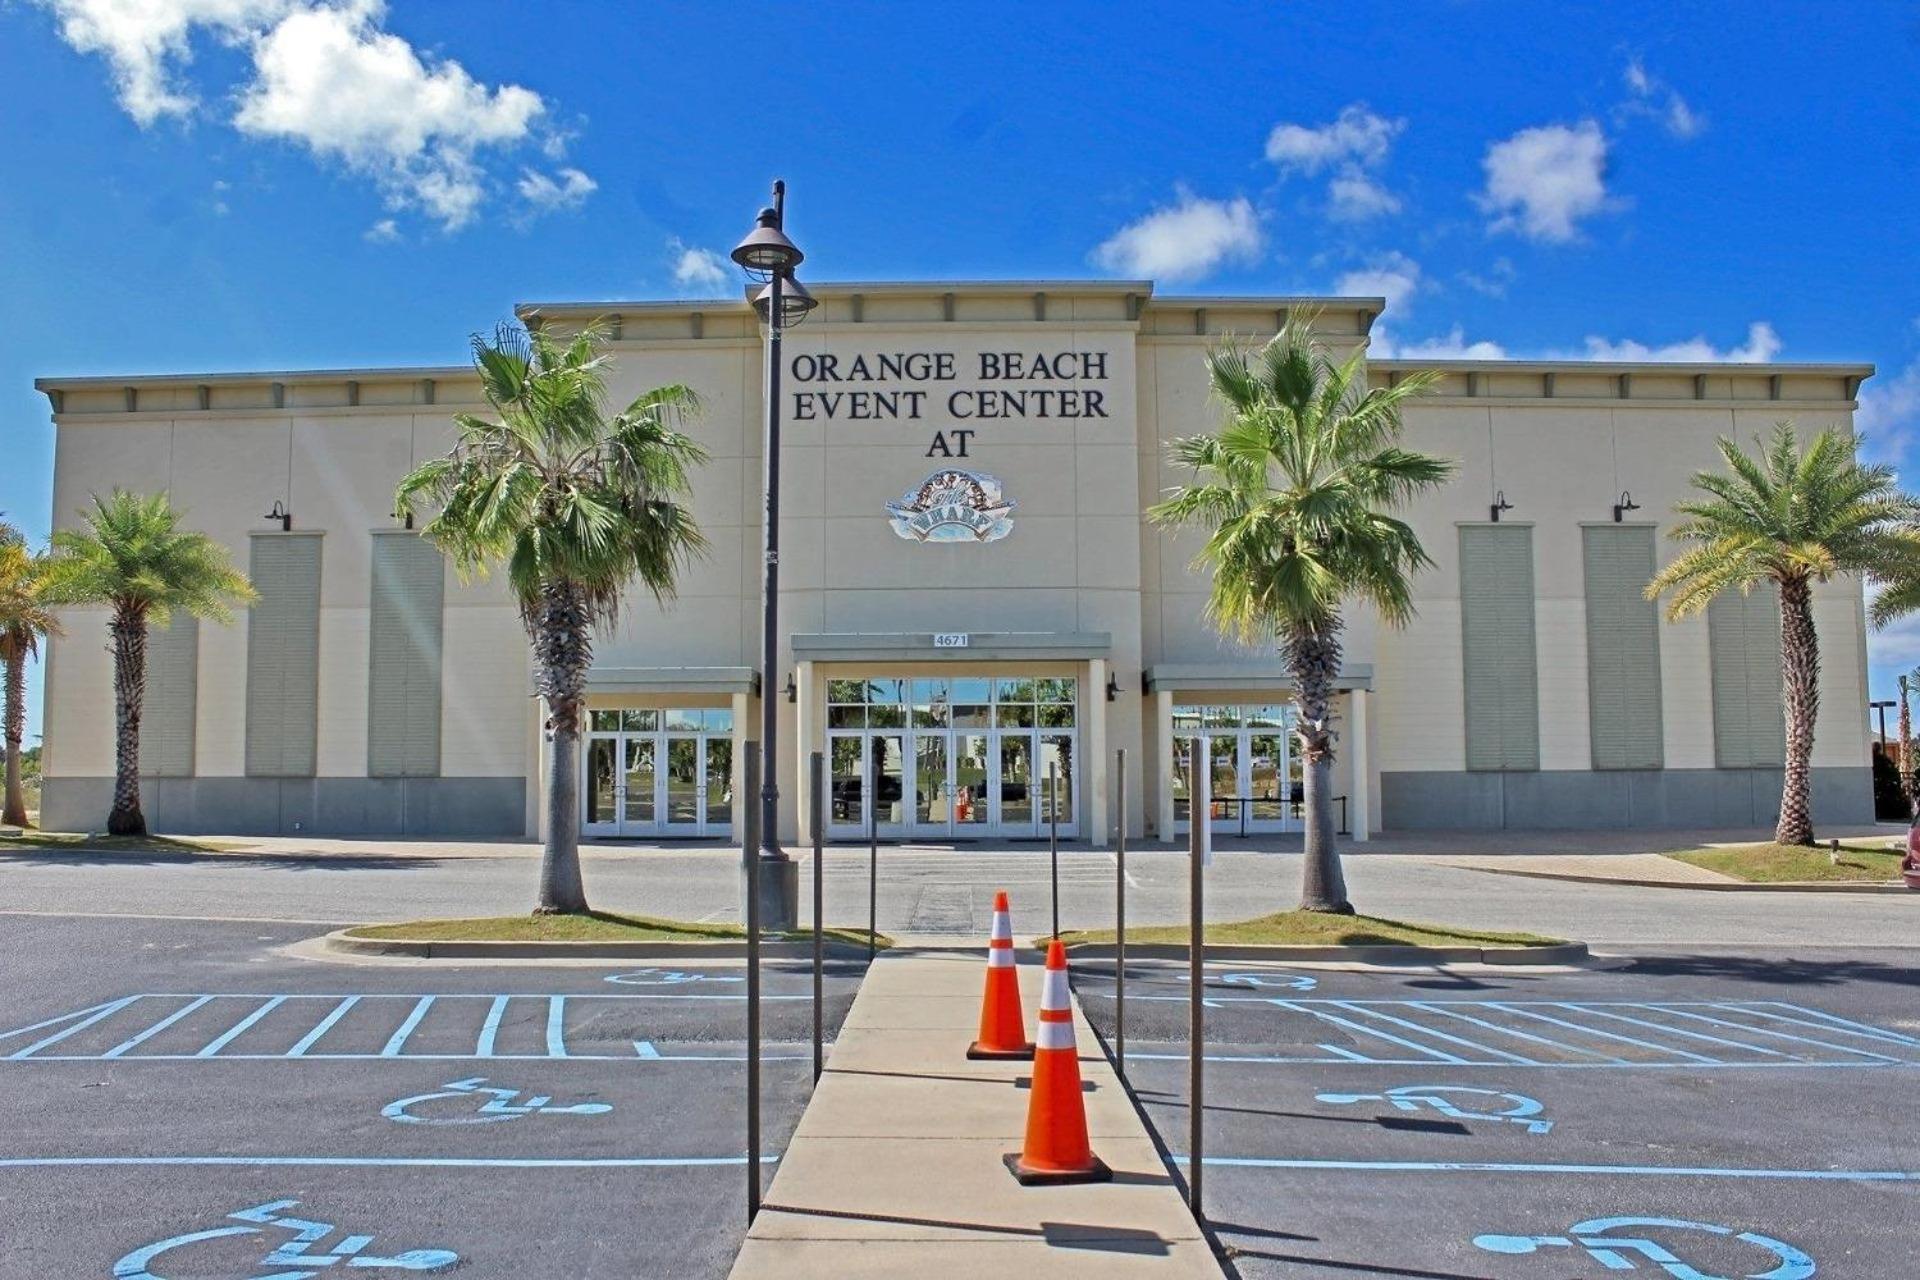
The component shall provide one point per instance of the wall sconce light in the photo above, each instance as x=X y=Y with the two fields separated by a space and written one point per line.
x=793 y=690
x=280 y=513
x=1113 y=686
x=405 y=518
x=1500 y=504
x=1623 y=506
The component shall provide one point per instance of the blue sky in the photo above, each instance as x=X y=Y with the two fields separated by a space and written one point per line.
x=232 y=184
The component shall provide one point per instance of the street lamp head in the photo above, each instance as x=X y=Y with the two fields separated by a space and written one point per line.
x=795 y=304
x=766 y=250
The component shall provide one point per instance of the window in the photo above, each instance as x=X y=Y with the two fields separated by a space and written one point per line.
x=404 y=629
x=1497 y=645
x=1623 y=648
x=283 y=655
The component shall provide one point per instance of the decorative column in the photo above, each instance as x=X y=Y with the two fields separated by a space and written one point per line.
x=1163 y=756
x=1093 y=765
x=738 y=779
x=806 y=740
x=1360 y=817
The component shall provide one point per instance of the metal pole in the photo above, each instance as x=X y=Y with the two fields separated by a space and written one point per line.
x=1053 y=838
x=770 y=579
x=1199 y=787
x=1120 y=916
x=818 y=767
x=750 y=856
x=872 y=790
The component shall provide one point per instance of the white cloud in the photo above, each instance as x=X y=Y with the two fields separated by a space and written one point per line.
x=146 y=41
x=326 y=76
x=1494 y=281
x=1889 y=412
x=1762 y=345
x=1542 y=181
x=1453 y=345
x=385 y=231
x=567 y=189
x=1351 y=148
x=1649 y=95
x=695 y=268
x=1393 y=276
x=1187 y=240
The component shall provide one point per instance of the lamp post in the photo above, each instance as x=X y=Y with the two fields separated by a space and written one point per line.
x=766 y=254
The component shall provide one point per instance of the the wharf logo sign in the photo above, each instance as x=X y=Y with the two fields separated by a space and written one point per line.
x=953 y=506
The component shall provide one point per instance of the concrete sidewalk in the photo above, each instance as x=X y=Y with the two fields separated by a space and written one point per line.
x=895 y=1169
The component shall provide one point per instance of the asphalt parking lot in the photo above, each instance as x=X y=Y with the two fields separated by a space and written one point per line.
x=180 y=1100
x=1692 y=1117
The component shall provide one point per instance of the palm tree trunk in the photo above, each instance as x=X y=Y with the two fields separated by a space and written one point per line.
x=129 y=631
x=14 y=811
x=1800 y=684
x=1905 y=762
x=562 y=634
x=1313 y=657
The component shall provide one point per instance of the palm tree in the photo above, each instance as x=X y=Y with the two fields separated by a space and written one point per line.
x=1297 y=492
x=1794 y=517
x=24 y=618
x=1904 y=762
x=134 y=558
x=577 y=505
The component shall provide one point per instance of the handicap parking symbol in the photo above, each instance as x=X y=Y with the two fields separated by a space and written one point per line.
x=351 y=1250
x=668 y=978
x=500 y=1105
x=1271 y=979
x=1617 y=1252
x=1520 y=1109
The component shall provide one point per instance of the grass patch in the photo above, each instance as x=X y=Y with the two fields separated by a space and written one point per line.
x=593 y=926
x=1321 y=929
x=1776 y=863
x=86 y=842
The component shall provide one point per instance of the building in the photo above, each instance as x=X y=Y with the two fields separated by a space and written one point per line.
x=970 y=598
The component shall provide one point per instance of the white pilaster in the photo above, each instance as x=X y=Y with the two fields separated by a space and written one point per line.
x=1163 y=757
x=1361 y=817
x=1094 y=767
x=742 y=713
x=806 y=741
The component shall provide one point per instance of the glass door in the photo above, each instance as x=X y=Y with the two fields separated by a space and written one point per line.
x=847 y=784
x=972 y=769
x=1016 y=803
x=933 y=803
x=686 y=781
x=888 y=759
x=602 y=817
x=716 y=798
x=639 y=803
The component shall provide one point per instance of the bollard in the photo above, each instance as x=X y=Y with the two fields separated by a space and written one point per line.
x=1199 y=788
x=872 y=790
x=1053 y=838
x=750 y=854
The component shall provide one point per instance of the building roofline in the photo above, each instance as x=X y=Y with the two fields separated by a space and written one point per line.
x=1144 y=289
x=1576 y=365
x=392 y=373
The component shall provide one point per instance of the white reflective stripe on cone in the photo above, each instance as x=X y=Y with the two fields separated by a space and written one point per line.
x=1054 y=994
x=1000 y=957
x=1002 y=926
x=1054 y=1035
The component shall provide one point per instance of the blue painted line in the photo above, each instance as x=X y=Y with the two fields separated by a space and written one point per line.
x=154 y=1030
x=376 y=1162
x=398 y=1039
x=1783 y=1035
x=98 y=1013
x=1440 y=1035
x=1694 y=1035
x=325 y=1025
x=1435 y=1006
x=516 y=1057
x=51 y=1022
x=240 y=1028
x=556 y=1026
x=1688 y=1054
x=1433 y=1055
x=1255 y=1059
x=1835 y=1021
x=490 y=1030
x=1629 y=1170
x=1348 y=1054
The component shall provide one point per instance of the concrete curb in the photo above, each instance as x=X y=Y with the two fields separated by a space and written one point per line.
x=339 y=943
x=1559 y=953
x=1731 y=886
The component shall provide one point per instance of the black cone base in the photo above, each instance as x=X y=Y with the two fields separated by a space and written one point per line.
x=980 y=1053
x=1053 y=1178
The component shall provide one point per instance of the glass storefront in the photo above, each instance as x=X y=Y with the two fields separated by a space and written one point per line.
x=1253 y=769
x=659 y=772
x=954 y=757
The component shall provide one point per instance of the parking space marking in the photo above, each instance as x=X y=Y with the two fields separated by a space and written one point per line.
x=393 y=1022
x=1625 y=1170
x=1639 y=1034
x=1611 y=1251
x=380 y=1162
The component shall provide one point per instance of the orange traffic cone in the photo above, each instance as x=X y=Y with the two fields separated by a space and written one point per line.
x=1003 y=1028
x=1056 y=1149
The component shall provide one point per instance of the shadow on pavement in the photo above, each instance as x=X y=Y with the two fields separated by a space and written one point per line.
x=1782 y=973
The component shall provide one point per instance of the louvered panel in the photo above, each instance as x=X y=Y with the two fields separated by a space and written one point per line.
x=1498 y=647
x=406 y=633
x=283 y=656
x=1743 y=632
x=1623 y=649
x=166 y=717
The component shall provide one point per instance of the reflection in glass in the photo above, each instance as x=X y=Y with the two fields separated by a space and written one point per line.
x=846 y=717
x=683 y=720
x=1016 y=782
x=1226 y=779
x=1182 y=793
x=606 y=721
x=1056 y=767
x=640 y=778
x=889 y=774
x=971 y=689
x=1054 y=689
x=1014 y=690
x=643 y=721
x=848 y=780
x=971 y=716
x=683 y=781
x=931 y=804
x=600 y=777
x=1266 y=756
x=720 y=783
x=969 y=780
x=1013 y=717
x=846 y=691
x=889 y=689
